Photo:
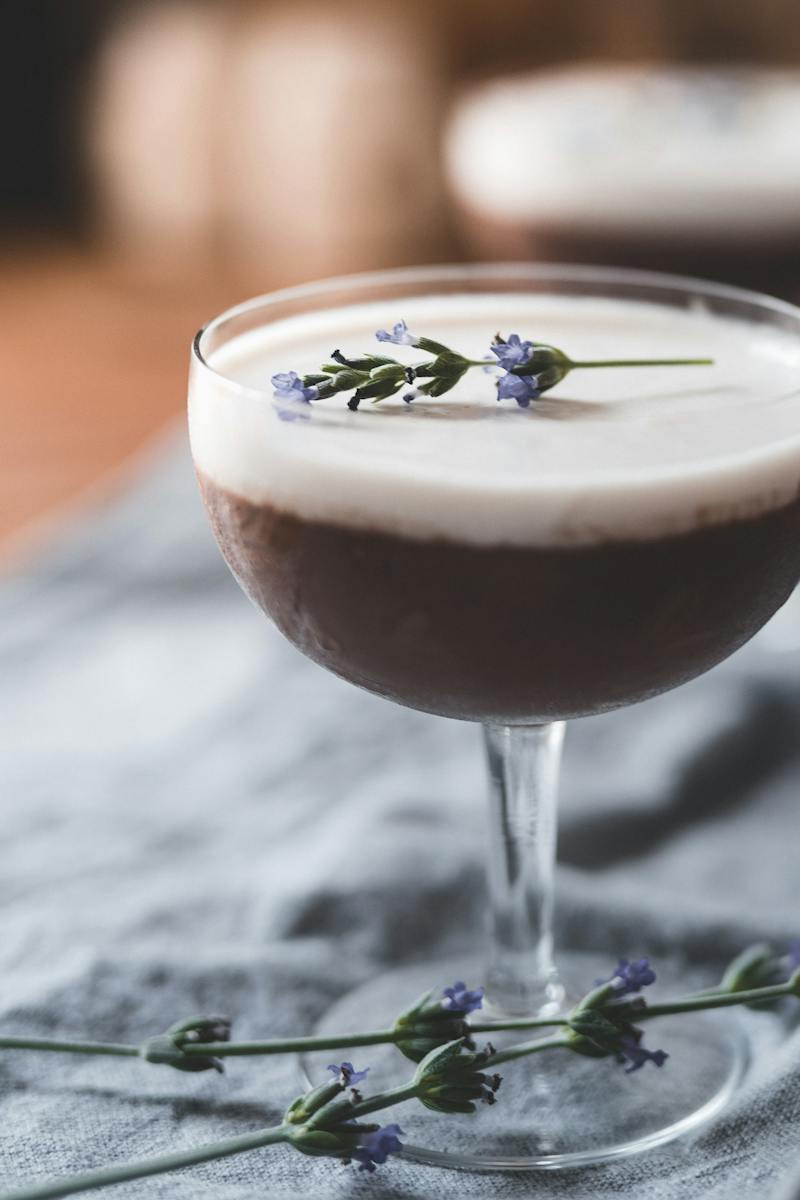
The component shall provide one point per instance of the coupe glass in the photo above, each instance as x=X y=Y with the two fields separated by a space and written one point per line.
x=555 y=1109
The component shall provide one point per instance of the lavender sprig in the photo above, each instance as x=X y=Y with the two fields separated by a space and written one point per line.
x=451 y=1077
x=529 y=369
x=758 y=976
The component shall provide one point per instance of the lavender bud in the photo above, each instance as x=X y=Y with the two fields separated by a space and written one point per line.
x=449 y=1079
x=430 y=1022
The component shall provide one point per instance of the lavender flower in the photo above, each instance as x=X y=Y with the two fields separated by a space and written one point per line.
x=458 y=999
x=794 y=955
x=630 y=977
x=289 y=386
x=374 y=1148
x=400 y=335
x=522 y=388
x=632 y=1051
x=346 y=1074
x=512 y=353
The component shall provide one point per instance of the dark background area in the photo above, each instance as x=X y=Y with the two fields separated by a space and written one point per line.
x=47 y=47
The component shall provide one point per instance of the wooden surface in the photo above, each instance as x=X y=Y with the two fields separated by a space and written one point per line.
x=93 y=362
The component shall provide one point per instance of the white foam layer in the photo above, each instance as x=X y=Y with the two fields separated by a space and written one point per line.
x=607 y=455
x=633 y=149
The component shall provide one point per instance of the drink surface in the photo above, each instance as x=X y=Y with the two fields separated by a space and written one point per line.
x=608 y=455
x=469 y=558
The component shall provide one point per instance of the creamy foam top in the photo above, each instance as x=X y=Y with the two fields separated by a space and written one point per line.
x=606 y=455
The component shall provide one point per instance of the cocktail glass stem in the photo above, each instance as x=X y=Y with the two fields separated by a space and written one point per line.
x=524 y=763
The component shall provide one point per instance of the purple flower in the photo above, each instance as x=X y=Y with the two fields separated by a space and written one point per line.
x=632 y=1051
x=289 y=386
x=629 y=977
x=374 y=1148
x=400 y=335
x=793 y=954
x=522 y=388
x=347 y=1074
x=512 y=353
x=459 y=999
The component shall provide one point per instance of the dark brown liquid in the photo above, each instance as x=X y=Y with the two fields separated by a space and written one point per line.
x=504 y=633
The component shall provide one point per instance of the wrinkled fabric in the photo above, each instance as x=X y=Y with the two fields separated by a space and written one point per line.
x=197 y=819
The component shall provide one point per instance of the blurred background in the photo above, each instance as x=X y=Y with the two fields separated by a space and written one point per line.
x=165 y=158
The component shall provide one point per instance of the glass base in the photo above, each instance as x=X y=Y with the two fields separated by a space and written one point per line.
x=557 y=1109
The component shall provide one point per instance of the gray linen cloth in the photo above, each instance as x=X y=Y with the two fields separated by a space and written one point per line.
x=195 y=818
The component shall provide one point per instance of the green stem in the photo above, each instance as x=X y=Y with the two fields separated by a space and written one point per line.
x=646 y=362
x=712 y=1000
x=25 y=1043
x=517 y=1023
x=217 y=1049
x=521 y=1023
x=148 y=1166
x=613 y=362
x=407 y=1091
x=524 y=1049
x=289 y=1045
x=344 y=1041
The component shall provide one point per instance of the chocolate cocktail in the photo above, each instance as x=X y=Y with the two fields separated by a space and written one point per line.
x=623 y=533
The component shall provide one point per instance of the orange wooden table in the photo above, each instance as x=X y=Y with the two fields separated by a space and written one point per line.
x=93 y=361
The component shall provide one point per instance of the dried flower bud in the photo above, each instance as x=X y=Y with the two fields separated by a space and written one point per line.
x=202 y=1029
x=368 y=1145
x=311 y=1102
x=600 y=1025
x=756 y=967
x=434 y=1020
x=168 y=1048
x=449 y=1079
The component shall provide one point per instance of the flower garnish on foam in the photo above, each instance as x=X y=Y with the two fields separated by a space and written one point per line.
x=527 y=370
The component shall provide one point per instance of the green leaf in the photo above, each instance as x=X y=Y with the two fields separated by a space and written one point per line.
x=448 y=1106
x=750 y=969
x=438 y=1059
x=449 y=364
x=596 y=1036
x=392 y=371
x=378 y=389
x=345 y=380
x=438 y=387
x=406 y=1017
x=431 y=347
x=312 y=1101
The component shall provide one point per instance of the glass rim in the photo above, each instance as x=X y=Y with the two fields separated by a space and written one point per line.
x=475 y=272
